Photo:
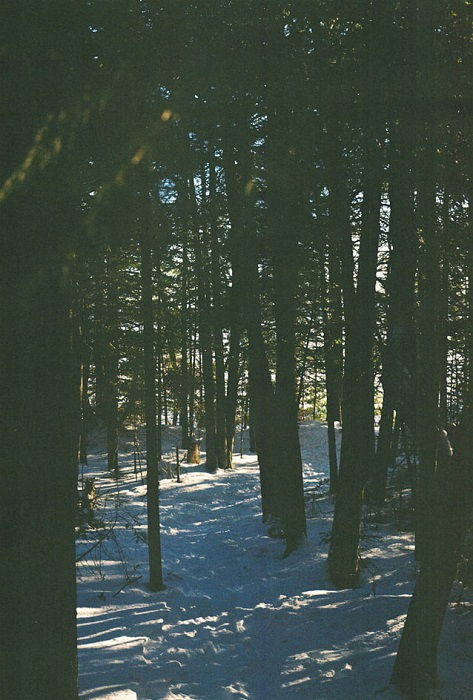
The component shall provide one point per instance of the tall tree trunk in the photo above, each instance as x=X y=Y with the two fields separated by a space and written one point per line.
x=428 y=342
x=111 y=364
x=184 y=403
x=159 y=365
x=333 y=349
x=443 y=489
x=205 y=339
x=164 y=389
x=217 y=296
x=149 y=359
x=384 y=447
x=367 y=269
x=444 y=297
x=99 y=332
x=284 y=214
x=303 y=367
x=40 y=422
x=449 y=496
x=193 y=349
x=84 y=401
x=399 y=371
x=84 y=359
x=233 y=375
x=357 y=454
x=245 y=272
x=105 y=353
x=343 y=553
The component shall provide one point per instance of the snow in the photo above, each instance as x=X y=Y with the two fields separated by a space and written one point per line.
x=236 y=620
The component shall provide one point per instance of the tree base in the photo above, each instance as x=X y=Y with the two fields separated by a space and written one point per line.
x=344 y=579
x=156 y=588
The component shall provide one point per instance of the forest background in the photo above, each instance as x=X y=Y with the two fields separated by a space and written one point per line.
x=221 y=209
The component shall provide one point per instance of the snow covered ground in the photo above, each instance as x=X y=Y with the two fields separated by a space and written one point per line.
x=236 y=620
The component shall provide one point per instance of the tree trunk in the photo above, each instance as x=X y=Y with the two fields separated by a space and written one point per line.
x=111 y=364
x=428 y=342
x=232 y=391
x=205 y=339
x=84 y=400
x=184 y=403
x=105 y=353
x=444 y=296
x=149 y=359
x=245 y=272
x=164 y=390
x=333 y=350
x=40 y=416
x=289 y=484
x=399 y=355
x=288 y=210
x=357 y=453
x=84 y=359
x=217 y=296
x=193 y=380
x=303 y=367
x=252 y=436
x=343 y=553
x=443 y=488
x=415 y=667
x=159 y=370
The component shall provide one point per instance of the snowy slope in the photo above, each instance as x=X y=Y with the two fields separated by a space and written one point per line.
x=236 y=620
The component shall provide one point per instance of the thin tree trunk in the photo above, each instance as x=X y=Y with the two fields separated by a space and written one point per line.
x=444 y=295
x=232 y=391
x=333 y=350
x=303 y=368
x=174 y=385
x=184 y=408
x=159 y=370
x=152 y=494
x=205 y=339
x=99 y=334
x=84 y=393
x=111 y=363
x=343 y=553
x=193 y=380
x=84 y=358
x=399 y=355
x=220 y=401
x=164 y=390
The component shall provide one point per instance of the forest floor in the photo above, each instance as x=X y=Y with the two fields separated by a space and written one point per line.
x=236 y=620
